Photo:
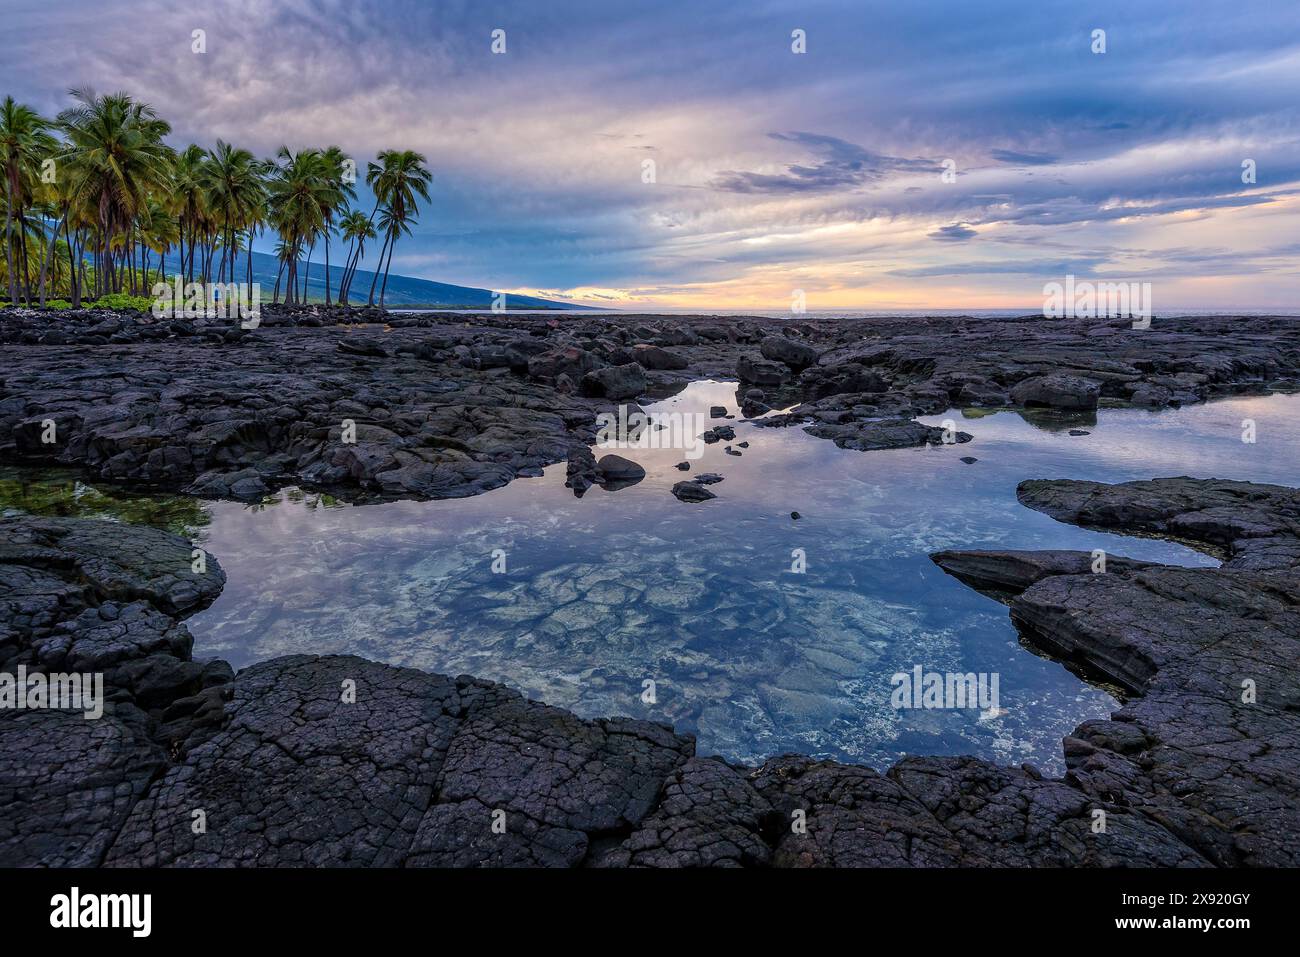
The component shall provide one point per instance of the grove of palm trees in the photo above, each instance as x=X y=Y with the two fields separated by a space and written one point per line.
x=98 y=207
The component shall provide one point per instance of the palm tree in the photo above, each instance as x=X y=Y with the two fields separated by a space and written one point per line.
x=189 y=201
x=396 y=180
x=356 y=228
x=115 y=158
x=300 y=189
x=24 y=142
x=122 y=196
x=336 y=161
x=26 y=242
x=159 y=231
x=257 y=214
x=390 y=225
x=282 y=253
x=55 y=208
x=233 y=181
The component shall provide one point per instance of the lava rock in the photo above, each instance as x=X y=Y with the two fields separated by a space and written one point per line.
x=692 y=492
x=1057 y=391
x=796 y=355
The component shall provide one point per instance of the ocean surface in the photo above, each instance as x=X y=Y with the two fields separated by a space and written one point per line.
x=762 y=634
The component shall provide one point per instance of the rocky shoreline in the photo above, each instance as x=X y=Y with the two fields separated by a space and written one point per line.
x=442 y=406
x=336 y=760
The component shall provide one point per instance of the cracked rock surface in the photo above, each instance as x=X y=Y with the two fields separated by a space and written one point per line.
x=1208 y=743
x=341 y=761
x=370 y=405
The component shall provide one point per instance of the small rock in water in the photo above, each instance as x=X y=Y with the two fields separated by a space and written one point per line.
x=708 y=478
x=730 y=451
x=692 y=492
x=683 y=466
x=796 y=516
x=1080 y=432
x=717 y=412
x=743 y=445
x=969 y=459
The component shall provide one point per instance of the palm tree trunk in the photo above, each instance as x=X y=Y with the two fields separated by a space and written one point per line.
x=291 y=276
x=128 y=256
x=45 y=262
x=327 y=265
x=383 y=289
x=76 y=250
x=375 y=278
x=356 y=265
x=306 y=275
x=22 y=250
x=347 y=275
x=9 y=253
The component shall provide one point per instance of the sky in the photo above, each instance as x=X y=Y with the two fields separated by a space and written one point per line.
x=919 y=154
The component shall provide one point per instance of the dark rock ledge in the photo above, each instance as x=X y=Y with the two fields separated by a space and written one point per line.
x=416 y=771
x=445 y=406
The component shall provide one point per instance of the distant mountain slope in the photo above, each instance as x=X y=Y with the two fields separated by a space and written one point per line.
x=402 y=290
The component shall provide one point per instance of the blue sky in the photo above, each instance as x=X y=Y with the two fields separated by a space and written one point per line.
x=773 y=170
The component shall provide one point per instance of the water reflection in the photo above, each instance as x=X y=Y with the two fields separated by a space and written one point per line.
x=602 y=593
x=52 y=493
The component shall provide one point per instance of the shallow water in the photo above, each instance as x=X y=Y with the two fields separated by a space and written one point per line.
x=603 y=593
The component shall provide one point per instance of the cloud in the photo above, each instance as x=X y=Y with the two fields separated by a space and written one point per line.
x=956 y=233
x=1023 y=159
x=1026 y=267
x=842 y=165
x=1128 y=161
